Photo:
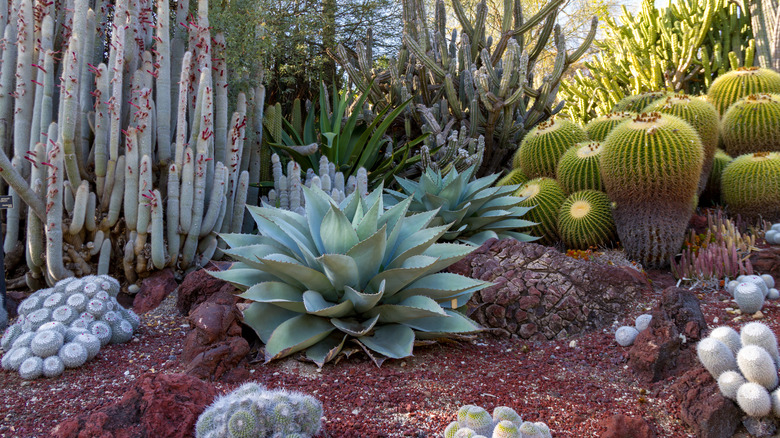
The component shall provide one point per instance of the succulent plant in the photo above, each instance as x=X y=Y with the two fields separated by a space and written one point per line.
x=539 y=152
x=749 y=297
x=643 y=321
x=729 y=382
x=514 y=177
x=626 y=335
x=352 y=271
x=750 y=125
x=757 y=366
x=712 y=190
x=754 y=400
x=473 y=421
x=598 y=128
x=585 y=220
x=728 y=336
x=476 y=210
x=715 y=356
x=578 y=168
x=547 y=196
x=772 y=235
x=750 y=185
x=253 y=411
x=741 y=82
x=702 y=116
x=650 y=167
x=638 y=102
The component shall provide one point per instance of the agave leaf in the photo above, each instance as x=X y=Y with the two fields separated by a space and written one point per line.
x=395 y=341
x=243 y=278
x=447 y=254
x=337 y=233
x=439 y=287
x=268 y=228
x=369 y=222
x=469 y=172
x=481 y=237
x=297 y=274
x=450 y=177
x=454 y=216
x=484 y=196
x=454 y=322
x=393 y=215
x=341 y=270
x=487 y=218
x=264 y=318
x=520 y=236
x=250 y=255
x=368 y=256
x=296 y=334
x=453 y=190
x=416 y=244
x=519 y=211
x=326 y=350
x=349 y=204
x=277 y=293
x=364 y=301
x=315 y=304
x=280 y=215
x=397 y=278
x=359 y=213
x=511 y=224
x=235 y=240
x=479 y=184
x=409 y=187
x=353 y=327
x=375 y=196
x=303 y=242
x=501 y=203
x=405 y=228
x=410 y=308
x=317 y=205
x=430 y=182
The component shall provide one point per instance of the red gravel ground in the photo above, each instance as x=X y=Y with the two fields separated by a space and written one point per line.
x=572 y=385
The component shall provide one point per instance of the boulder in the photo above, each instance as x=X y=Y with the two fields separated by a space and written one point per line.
x=154 y=289
x=214 y=345
x=157 y=405
x=623 y=426
x=767 y=261
x=541 y=294
x=703 y=407
x=665 y=348
x=198 y=285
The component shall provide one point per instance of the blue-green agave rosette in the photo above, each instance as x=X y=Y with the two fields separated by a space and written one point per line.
x=348 y=272
x=477 y=210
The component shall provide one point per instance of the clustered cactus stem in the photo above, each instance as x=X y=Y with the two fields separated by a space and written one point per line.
x=146 y=172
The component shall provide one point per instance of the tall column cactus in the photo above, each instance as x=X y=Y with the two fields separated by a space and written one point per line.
x=764 y=17
x=470 y=83
x=118 y=162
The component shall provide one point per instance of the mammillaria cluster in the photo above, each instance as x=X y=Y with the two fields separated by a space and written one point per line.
x=253 y=411
x=476 y=422
x=65 y=326
x=745 y=366
x=626 y=334
x=772 y=236
x=750 y=291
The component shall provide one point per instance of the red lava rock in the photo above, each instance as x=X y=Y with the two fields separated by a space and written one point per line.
x=623 y=426
x=199 y=285
x=541 y=294
x=158 y=405
x=214 y=346
x=703 y=407
x=153 y=291
x=767 y=261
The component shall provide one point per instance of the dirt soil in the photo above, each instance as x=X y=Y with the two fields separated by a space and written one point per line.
x=573 y=385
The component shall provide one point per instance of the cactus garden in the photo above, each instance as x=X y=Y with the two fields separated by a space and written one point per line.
x=426 y=218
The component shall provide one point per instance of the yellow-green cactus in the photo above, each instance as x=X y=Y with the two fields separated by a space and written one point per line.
x=598 y=128
x=515 y=176
x=650 y=167
x=719 y=162
x=750 y=185
x=702 y=116
x=585 y=220
x=543 y=146
x=578 y=168
x=752 y=124
x=736 y=84
x=636 y=103
x=547 y=196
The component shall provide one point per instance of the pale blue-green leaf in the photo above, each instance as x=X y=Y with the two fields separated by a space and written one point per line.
x=368 y=256
x=469 y=172
x=453 y=190
x=267 y=227
x=410 y=308
x=359 y=212
x=454 y=216
x=355 y=327
x=410 y=187
x=341 y=270
x=520 y=211
x=296 y=334
x=440 y=286
x=429 y=183
x=350 y=204
x=396 y=279
x=303 y=241
x=511 y=224
x=486 y=219
x=522 y=237
x=404 y=228
x=394 y=214
x=326 y=350
x=279 y=215
x=375 y=196
x=479 y=185
x=416 y=244
x=431 y=202
x=501 y=203
x=368 y=224
x=393 y=197
x=317 y=305
x=454 y=322
x=480 y=238
x=447 y=254
x=277 y=293
x=451 y=176
x=251 y=255
x=394 y=341
x=364 y=301
x=307 y=278
x=337 y=233
x=264 y=318
x=482 y=198
x=318 y=204
x=235 y=240
x=243 y=278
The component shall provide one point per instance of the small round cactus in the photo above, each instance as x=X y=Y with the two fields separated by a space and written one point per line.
x=756 y=333
x=750 y=185
x=242 y=424
x=749 y=297
x=31 y=368
x=478 y=420
x=14 y=358
x=716 y=356
x=754 y=400
x=757 y=366
x=626 y=335
x=54 y=300
x=11 y=333
x=643 y=321
x=729 y=382
x=121 y=332
x=758 y=281
x=35 y=319
x=728 y=336
x=768 y=280
x=47 y=343
x=102 y=331
x=90 y=342
x=24 y=340
x=78 y=302
x=547 y=196
x=52 y=366
x=506 y=429
x=598 y=128
x=719 y=162
x=539 y=152
x=30 y=304
x=73 y=355
x=736 y=84
x=585 y=220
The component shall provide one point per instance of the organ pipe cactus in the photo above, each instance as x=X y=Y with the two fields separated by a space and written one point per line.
x=126 y=157
x=348 y=272
x=471 y=84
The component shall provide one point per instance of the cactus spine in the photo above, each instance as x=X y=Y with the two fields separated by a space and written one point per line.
x=750 y=125
x=750 y=185
x=740 y=83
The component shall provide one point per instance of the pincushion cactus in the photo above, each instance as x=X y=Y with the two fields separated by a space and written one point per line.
x=253 y=411
x=754 y=399
x=473 y=422
x=626 y=335
x=43 y=334
x=749 y=297
x=772 y=236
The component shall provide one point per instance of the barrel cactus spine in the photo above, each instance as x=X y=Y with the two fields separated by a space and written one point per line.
x=650 y=167
x=546 y=196
x=752 y=124
x=711 y=192
x=598 y=128
x=578 y=168
x=750 y=185
x=539 y=152
x=585 y=220
x=638 y=102
x=736 y=84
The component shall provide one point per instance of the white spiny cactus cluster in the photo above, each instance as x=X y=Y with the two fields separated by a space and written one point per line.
x=476 y=422
x=65 y=326
x=772 y=236
x=626 y=334
x=745 y=366
x=750 y=291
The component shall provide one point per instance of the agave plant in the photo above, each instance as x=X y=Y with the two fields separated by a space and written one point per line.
x=477 y=210
x=344 y=272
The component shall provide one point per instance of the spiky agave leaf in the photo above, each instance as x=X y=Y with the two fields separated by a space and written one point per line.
x=477 y=210
x=353 y=271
